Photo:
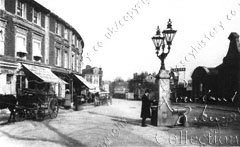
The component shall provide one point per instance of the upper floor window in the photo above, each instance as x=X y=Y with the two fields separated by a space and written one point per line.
x=89 y=78
x=2 y=4
x=66 y=33
x=21 y=9
x=2 y=40
x=36 y=17
x=77 y=44
x=73 y=39
x=20 y=45
x=81 y=51
x=58 y=28
x=65 y=59
x=58 y=57
x=77 y=63
x=73 y=61
x=37 y=55
x=95 y=80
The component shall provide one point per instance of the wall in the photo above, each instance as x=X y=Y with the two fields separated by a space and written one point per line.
x=9 y=37
x=7 y=88
x=10 y=6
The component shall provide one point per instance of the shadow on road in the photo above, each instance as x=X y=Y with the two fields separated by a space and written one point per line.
x=4 y=123
x=4 y=120
x=64 y=141
x=67 y=141
x=131 y=121
x=29 y=138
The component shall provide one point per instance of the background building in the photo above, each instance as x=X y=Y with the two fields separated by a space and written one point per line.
x=93 y=75
x=222 y=83
x=106 y=86
x=119 y=89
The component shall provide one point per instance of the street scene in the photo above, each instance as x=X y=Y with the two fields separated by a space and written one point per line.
x=119 y=125
x=139 y=73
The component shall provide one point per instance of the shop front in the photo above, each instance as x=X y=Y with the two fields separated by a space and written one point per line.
x=80 y=90
x=8 y=77
x=63 y=74
x=39 y=78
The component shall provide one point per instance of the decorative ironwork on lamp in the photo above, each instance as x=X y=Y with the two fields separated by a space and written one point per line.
x=162 y=38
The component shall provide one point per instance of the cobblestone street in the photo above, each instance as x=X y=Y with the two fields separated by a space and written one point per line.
x=114 y=125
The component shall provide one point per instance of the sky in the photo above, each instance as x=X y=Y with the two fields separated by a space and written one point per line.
x=117 y=34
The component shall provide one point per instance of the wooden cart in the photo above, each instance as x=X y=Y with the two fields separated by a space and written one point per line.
x=35 y=104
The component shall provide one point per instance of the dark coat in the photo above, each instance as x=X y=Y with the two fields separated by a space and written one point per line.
x=146 y=103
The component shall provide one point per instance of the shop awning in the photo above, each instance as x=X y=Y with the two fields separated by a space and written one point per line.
x=86 y=83
x=45 y=74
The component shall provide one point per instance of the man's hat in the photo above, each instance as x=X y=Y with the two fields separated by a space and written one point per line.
x=147 y=91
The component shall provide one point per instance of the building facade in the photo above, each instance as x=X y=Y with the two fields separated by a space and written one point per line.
x=93 y=75
x=222 y=83
x=120 y=89
x=35 y=46
x=106 y=86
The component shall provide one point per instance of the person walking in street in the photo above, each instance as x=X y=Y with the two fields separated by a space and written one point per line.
x=110 y=98
x=145 y=111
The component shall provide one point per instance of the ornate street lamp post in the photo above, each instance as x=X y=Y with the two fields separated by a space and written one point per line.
x=160 y=40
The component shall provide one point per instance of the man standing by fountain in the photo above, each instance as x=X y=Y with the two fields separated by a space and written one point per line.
x=146 y=103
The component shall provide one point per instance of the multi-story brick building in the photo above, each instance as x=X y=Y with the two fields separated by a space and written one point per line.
x=34 y=44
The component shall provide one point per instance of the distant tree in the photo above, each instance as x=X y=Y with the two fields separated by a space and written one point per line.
x=139 y=82
x=118 y=79
x=114 y=83
x=111 y=87
x=131 y=85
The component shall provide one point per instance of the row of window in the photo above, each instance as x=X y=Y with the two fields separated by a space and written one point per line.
x=37 y=39
x=21 y=10
x=65 y=60
x=21 y=49
x=92 y=79
x=21 y=46
x=66 y=34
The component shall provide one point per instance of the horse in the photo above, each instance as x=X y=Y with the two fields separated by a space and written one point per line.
x=8 y=101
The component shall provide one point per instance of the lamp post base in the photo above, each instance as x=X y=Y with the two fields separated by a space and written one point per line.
x=163 y=115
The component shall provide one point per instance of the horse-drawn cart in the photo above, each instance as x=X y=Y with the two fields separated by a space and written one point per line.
x=35 y=95
x=36 y=104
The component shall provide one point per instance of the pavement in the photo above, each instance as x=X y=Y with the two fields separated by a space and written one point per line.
x=115 y=125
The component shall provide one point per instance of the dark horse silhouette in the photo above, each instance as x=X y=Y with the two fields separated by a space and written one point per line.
x=8 y=101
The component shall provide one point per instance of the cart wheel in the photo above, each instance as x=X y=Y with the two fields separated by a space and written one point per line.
x=53 y=108
x=29 y=114
x=40 y=114
x=20 y=114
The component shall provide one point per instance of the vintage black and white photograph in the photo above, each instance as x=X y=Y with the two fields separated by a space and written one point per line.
x=119 y=73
